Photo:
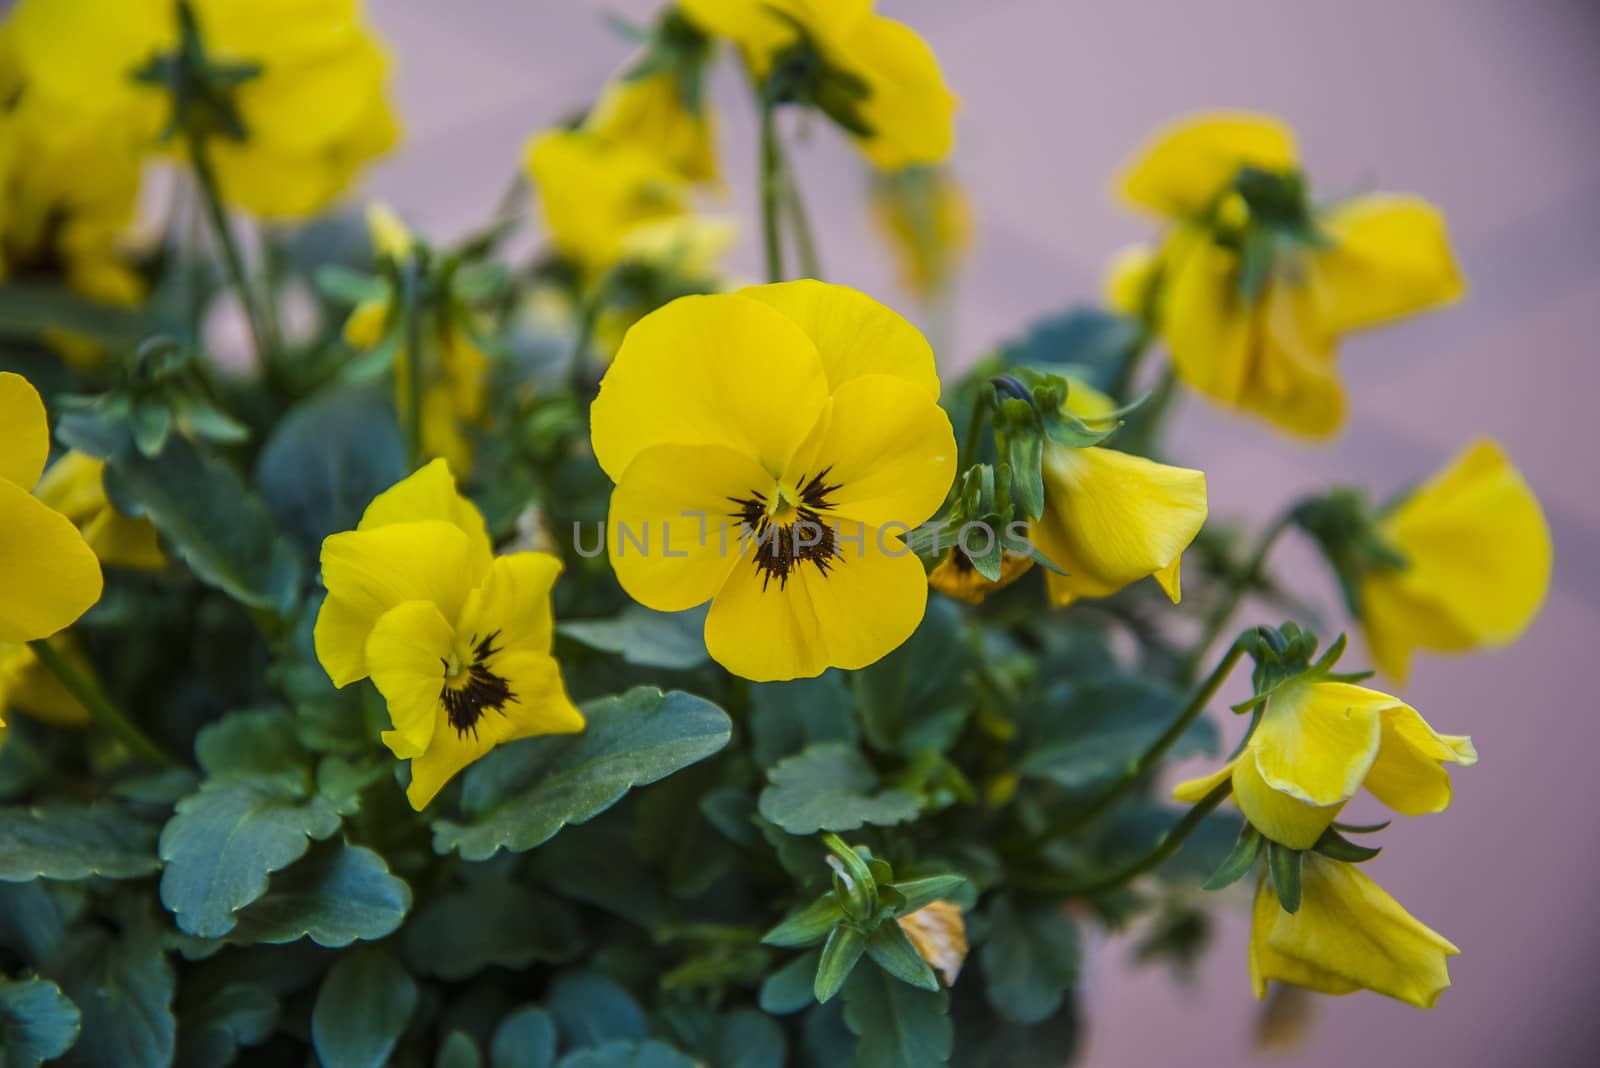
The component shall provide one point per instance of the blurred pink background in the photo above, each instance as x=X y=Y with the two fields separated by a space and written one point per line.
x=1489 y=109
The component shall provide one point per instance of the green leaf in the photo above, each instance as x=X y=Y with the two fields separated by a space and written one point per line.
x=33 y=919
x=913 y=699
x=806 y=926
x=644 y=637
x=892 y=951
x=525 y=1039
x=785 y=717
x=490 y=922
x=223 y=1020
x=327 y=459
x=123 y=985
x=628 y=1055
x=363 y=1006
x=591 y=1009
x=339 y=894
x=840 y=953
x=898 y=1026
x=1089 y=344
x=349 y=286
x=1026 y=454
x=788 y=989
x=748 y=1039
x=524 y=792
x=223 y=843
x=37 y=1022
x=831 y=787
x=30 y=309
x=920 y=892
x=63 y=840
x=1030 y=959
x=458 y=1051
x=1239 y=862
x=1092 y=730
x=1284 y=864
x=204 y=512
x=252 y=742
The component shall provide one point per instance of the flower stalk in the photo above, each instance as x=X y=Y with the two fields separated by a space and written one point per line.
x=98 y=705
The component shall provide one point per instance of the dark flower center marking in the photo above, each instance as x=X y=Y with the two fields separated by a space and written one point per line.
x=483 y=690
x=791 y=532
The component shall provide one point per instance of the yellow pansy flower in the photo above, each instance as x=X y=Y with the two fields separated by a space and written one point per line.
x=315 y=111
x=1477 y=563
x=456 y=639
x=771 y=447
x=1347 y=935
x=925 y=215
x=905 y=103
x=1268 y=344
x=1111 y=518
x=1318 y=743
x=649 y=113
x=75 y=486
x=594 y=192
x=955 y=576
x=48 y=574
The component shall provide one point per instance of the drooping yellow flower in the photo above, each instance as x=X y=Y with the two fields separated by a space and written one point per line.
x=955 y=576
x=48 y=574
x=1477 y=563
x=649 y=113
x=1111 y=518
x=456 y=639
x=594 y=192
x=1254 y=299
x=1347 y=935
x=1318 y=743
x=313 y=109
x=770 y=448
x=904 y=104
x=924 y=214
x=74 y=486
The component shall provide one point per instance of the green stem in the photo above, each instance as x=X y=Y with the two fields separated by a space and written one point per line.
x=1147 y=761
x=1122 y=384
x=974 y=438
x=413 y=358
x=1242 y=581
x=1170 y=843
x=99 y=706
x=588 y=315
x=232 y=258
x=799 y=220
x=771 y=190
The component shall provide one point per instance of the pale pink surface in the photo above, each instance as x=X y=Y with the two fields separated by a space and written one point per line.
x=1487 y=108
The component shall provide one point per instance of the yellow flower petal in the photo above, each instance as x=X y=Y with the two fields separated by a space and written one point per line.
x=367 y=322
x=1478 y=560
x=48 y=574
x=388 y=234
x=1191 y=790
x=24 y=431
x=854 y=334
x=956 y=577
x=514 y=602
x=649 y=112
x=1129 y=276
x=1409 y=774
x=408 y=653
x=368 y=572
x=870 y=601
x=886 y=446
x=541 y=706
x=908 y=107
x=1111 y=518
x=28 y=686
x=1188 y=163
x=1282 y=818
x=1391 y=258
x=1317 y=740
x=430 y=493
x=123 y=542
x=672 y=533
x=1267 y=963
x=709 y=370
x=1349 y=934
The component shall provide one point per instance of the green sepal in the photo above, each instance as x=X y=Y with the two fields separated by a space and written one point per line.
x=892 y=951
x=349 y=286
x=1336 y=846
x=1362 y=828
x=807 y=925
x=1284 y=864
x=840 y=955
x=919 y=893
x=1246 y=850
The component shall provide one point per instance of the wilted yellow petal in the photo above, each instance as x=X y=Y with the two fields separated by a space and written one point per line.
x=1409 y=774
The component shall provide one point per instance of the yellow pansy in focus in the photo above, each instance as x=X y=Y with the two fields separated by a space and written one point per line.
x=1111 y=518
x=771 y=447
x=314 y=112
x=456 y=639
x=1347 y=935
x=925 y=215
x=48 y=574
x=905 y=106
x=650 y=113
x=594 y=192
x=1268 y=342
x=1478 y=558
x=75 y=486
x=1318 y=743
